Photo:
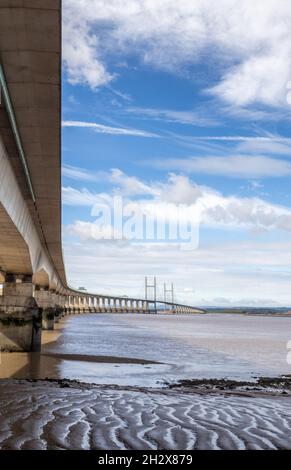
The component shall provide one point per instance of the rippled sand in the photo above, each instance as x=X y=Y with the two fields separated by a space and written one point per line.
x=48 y=415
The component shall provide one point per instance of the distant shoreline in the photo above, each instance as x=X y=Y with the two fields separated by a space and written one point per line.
x=250 y=311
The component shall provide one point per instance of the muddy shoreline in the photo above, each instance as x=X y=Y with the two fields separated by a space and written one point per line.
x=41 y=409
x=262 y=386
x=213 y=415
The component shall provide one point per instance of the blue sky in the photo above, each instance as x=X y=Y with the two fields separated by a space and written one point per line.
x=180 y=104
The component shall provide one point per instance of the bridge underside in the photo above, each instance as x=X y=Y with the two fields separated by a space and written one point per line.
x=14 y=252
x=30 y=54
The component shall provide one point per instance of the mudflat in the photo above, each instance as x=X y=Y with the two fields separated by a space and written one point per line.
x=70 y=415
x=151 y=382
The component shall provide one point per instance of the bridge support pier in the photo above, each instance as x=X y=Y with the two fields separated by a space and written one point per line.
x=20 y=316
x=43 y=298
x=55 y=298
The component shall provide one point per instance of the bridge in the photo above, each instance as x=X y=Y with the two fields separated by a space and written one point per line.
x=35 y=291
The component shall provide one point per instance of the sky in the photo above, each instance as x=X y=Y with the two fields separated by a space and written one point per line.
x=178 y=105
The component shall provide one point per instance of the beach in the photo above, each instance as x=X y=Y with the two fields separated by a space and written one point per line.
x=140 y=382
x=46 y=415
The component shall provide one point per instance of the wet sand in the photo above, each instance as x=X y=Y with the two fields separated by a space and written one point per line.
x=63 y=415
x=146 y=385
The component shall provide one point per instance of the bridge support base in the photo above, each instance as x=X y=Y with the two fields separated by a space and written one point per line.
x=44 y=299
x=20 y=316
x=48 y=319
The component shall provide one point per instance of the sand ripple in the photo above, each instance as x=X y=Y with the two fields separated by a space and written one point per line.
x=45 y=416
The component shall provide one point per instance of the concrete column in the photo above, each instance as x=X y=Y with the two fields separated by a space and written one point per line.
x=20 y=316
x=74 y=304
x=56 y=305
x=61 y=305
x=124 y=302
x=44 y=300
x=67 y=304
x=80 y=304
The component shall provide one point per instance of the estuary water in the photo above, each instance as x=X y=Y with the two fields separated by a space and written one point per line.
x=155 y=350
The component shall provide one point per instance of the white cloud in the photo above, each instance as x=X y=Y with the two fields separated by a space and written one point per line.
x=228 y=212
x=129 y=185
x=261 y=147
x=244 y=273
x=87 y=231
x=81 y=55
x=241 y=138
x=170 y=115
x=108 y=129
x=76 y=197
x=80 y=174
x=239 y=166
x=215 y=274
x=251 y=41
x=258 y=79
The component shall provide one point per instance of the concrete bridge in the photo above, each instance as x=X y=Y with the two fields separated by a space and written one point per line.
x=35 y=290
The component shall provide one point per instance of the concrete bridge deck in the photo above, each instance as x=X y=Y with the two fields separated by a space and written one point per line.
x=35 y=289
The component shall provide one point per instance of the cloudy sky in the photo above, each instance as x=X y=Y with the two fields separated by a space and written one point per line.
x=188 y=103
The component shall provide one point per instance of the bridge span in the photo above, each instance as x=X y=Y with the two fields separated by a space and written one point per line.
x=35 y=290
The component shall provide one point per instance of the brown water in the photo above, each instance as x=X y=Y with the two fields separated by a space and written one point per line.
x=148 y=350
